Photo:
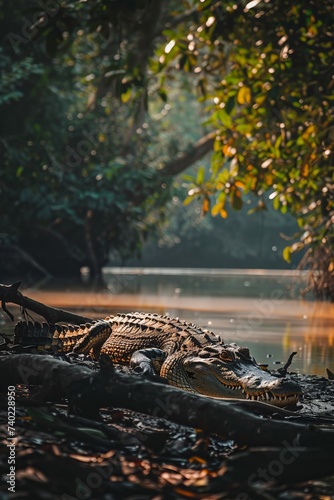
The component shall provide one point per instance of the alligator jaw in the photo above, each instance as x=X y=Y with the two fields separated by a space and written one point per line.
x=271 y=398
x=263 y=387
x=282 y=400
x=277 y=391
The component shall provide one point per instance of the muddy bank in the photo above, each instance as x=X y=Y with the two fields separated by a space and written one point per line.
x=128 y=455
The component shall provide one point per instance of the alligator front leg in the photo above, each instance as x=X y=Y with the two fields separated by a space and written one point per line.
x=148 y=361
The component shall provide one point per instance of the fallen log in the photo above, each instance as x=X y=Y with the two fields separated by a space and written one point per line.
x=87 y=391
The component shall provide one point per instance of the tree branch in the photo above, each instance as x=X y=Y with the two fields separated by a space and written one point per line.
x=27 y=257
x=173 y=22
x=11 y=293
x=200 y=149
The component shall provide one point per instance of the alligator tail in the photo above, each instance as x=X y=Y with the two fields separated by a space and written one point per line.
x=63 y=338
x=59 y=338
x=42 y=336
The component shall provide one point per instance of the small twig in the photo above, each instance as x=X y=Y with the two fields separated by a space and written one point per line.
x=26 y=315
x=7 y=340
x=4 y=308
x=283 y=371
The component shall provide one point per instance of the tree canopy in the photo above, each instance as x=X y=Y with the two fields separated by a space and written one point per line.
x=263 y=71
x=268 y=79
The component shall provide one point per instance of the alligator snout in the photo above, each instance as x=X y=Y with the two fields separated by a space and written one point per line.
x=274 y=390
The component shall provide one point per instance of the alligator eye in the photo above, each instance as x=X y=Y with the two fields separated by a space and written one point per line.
x=226 y=356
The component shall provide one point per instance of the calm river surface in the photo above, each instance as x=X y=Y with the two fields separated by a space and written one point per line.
x=256 y=308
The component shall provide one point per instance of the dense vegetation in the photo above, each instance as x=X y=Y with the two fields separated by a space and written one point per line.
x=88 y=160
x=70 y=184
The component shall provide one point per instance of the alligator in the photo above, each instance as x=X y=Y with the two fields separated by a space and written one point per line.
x=188 y=356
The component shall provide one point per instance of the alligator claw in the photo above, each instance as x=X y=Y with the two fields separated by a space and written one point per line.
x=144 y=369
x=106 y=365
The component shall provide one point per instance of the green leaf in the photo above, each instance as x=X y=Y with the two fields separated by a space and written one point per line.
x=19 y=171
x=93 y=432
x=222 y=197
x=287 y=254
x=230 y=105
x=188 y=178
x=41 y=415
x=188 y=200
x=162 y=94
x=276 y=203
x=223 y=176
x=300 y=222
x=216 y=209
x=217 y=146
x=200 y=175
x=224 y=118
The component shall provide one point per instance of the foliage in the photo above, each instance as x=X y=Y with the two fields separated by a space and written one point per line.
x=13 y=74
x=72 y=188
x=265 y=70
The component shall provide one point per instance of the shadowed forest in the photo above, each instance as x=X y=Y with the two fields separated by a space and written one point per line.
x=166 y=136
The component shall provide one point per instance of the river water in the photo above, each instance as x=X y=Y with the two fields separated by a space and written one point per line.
x=255 y=308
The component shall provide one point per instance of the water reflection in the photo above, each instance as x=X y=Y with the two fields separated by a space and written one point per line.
x=258 y=309
x=199 y=282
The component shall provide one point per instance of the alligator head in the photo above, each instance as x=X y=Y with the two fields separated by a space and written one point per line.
x=228 y=371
